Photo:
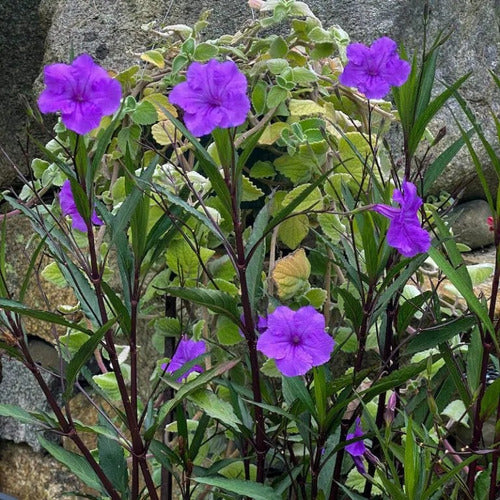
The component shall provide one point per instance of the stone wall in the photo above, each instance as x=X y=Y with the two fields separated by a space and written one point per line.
x=36 y=32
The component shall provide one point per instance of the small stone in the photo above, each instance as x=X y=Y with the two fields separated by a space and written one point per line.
x=470 y=226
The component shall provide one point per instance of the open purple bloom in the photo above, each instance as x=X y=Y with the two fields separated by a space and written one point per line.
x=213 y=95
x=373 y=70
x=357 y=449
x=297 y=340
x=405 y=233
x=68 y=207
x=186 y=351
x=82 y=91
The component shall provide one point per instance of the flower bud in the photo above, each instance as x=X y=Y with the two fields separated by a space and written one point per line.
x=390 y=408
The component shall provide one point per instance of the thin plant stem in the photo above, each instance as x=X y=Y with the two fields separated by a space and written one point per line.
x=248 y=324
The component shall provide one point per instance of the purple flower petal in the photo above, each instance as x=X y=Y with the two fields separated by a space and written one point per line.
x=358 y=448
x=297 y=340
x=373 y=70
x=68 y=207
x=186 y=351
x=405 y=231
x=213 y=95
x=83 y=92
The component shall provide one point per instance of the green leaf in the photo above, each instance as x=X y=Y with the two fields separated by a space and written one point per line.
x=435 y=169
x=185 y=389
x=428 y=113
x=259 y=97
x=154 y=57
x=108 y=384
x=408 y=309
x=435 y=335
x=255 y=253
x=312 y=201
x=294 y=388
x=144 y=114
x=83 y=355
x=215 y=407
x=411 y=469
x=457 y=411
x=250 y=192
x=331 y=226
x=276 y=96
x=299 y=167
x=463 y=287
x=185 y=260
x=316 y=297
x=291 y=274
x=208 y=165
x=352 y=307
x=214 y=300
x=491 y=398
x=305 y=107
x=228 y=333
x=354 y=155
x=53 y=274
x=271 y=134
x=277 y=66
x=278 y=47
x=205 y=51
x=12 y=305
x=128 y=140
x=112 y=460
x=75 y=463
x=256 y=491
x=19 y=414
x=474 y=357
x=292 y=231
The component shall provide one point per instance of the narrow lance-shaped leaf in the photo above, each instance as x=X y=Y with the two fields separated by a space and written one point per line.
x=250 y=489
x=83 y=355
x=75 y=463
x=215 y=300
x=49 y=317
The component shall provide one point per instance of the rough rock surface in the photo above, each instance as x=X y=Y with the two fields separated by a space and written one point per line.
x=470 y=225
x=111 y=32
x=22 y=35
x=28 y=475
x=19 y=388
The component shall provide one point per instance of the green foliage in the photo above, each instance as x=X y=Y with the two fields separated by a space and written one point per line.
x=201 y=235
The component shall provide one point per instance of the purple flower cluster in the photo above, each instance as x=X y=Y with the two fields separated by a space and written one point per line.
x=186 y=351
x=405 y=232
x=373 y=70
x=82 y=91
x=68 y=207
x=213 y=95
x=297 y=340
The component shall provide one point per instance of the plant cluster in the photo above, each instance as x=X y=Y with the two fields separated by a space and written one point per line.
x=240 y=196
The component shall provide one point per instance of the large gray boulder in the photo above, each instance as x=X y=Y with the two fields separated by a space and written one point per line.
x=111 y=32
x=22 y=36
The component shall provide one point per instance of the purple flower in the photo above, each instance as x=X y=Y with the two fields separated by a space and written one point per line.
x=261 y=324
x=186 y=351
x=374 y=69
x=213 y=95
x=357 y=449
x=296 y=340
x=405 y=232
x=82 y=91
x=68 y=207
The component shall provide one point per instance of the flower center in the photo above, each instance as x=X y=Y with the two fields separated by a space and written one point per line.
x=296 y=339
